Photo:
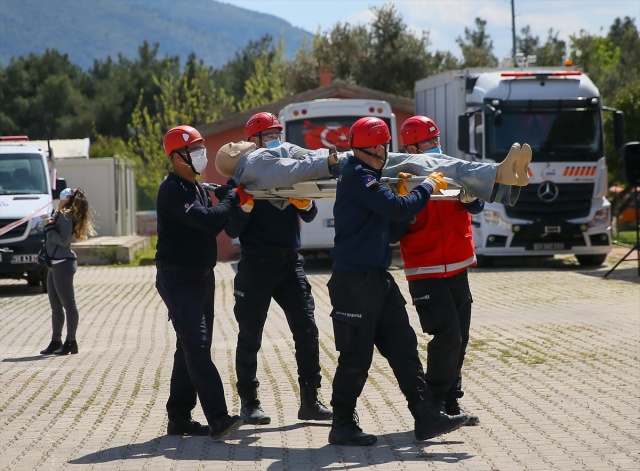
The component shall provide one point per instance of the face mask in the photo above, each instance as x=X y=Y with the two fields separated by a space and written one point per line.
x=272 y=144
x=435 y=150
x=199 y=160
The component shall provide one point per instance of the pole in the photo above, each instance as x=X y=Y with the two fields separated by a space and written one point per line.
x=513 y=30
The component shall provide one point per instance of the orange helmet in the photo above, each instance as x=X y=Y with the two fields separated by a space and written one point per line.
x=368 y=132
x=418 y=129
x=261 y=122
x=180 y=137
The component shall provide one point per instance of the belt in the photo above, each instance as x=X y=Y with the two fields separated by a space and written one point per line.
x=167 y=266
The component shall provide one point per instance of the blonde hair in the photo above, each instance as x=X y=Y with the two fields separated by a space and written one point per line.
x=78 y=206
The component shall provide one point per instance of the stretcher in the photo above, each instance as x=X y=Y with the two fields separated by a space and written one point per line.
x=326 y=189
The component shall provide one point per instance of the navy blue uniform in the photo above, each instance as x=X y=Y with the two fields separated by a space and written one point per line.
x=368 y=308
x=270 y=267
x=186 y=254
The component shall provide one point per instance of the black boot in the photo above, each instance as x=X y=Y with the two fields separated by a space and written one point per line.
x=251 y=411
x=69 y=346
x=310 y=407
x=345 y=429
x=53 y=346
x=452 y=407
x=431 y=420
x=224 y=425
x=183 y=424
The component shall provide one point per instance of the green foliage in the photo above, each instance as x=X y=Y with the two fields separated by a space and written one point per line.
x=383 y=56
x=190 y=98
x=551 y=54
x=266 y=84
x=476 y=47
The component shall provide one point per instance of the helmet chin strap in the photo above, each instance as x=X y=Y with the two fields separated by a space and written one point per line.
x=375 y=156
x=188 y=162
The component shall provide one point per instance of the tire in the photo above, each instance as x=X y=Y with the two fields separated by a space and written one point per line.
x=484 y=261
x=591 y=260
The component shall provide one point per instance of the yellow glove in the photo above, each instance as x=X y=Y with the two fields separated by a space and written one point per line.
x=436 y=181
x=248 y=206
x=401 y=186
x=304 y=205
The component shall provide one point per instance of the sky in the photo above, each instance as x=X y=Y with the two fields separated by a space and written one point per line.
x=446 y=19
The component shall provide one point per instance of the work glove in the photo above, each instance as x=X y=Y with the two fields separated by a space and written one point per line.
x=222 y=191
x=401 y=186
x=436 y=181
x=303 y=205
x=243 y=199
x=466 y=197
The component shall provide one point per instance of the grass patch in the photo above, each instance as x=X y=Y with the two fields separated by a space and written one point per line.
x=146 y=256
x=626 y=237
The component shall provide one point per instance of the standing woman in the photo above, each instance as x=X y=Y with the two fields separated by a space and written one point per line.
x=72 y=219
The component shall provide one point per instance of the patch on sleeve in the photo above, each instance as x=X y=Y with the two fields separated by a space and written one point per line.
x=369 y=180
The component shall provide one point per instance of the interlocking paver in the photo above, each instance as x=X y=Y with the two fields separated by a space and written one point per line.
x=552 y=370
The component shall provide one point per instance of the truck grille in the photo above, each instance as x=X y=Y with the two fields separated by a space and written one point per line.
x=573 y=201
x=16 y=232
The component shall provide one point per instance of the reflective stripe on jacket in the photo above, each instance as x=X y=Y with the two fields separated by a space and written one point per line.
x=440 y=243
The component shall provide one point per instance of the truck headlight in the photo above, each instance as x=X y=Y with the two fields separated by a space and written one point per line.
x=601 y=218
x=493 y=218
x=37 y=225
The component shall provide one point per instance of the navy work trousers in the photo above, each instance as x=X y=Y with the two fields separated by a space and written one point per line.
x=260 y=278
x=444 y=309
x=189 y=298
x=369 y=310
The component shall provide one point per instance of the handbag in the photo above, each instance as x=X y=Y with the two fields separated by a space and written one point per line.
x=43 y=258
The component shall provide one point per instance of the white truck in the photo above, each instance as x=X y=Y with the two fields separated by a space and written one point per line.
x=558 y=111
x=26 y=200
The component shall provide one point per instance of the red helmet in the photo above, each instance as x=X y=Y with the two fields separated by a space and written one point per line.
x=418 y=129
x=368 y=132
x=180 y=137
x=261 y=122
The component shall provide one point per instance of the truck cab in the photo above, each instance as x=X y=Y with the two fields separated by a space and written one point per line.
x=26 y=200
x=558 y=112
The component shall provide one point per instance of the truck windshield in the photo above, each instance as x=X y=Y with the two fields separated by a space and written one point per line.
x=315 y=133
x=22 y=174
x=569 y=135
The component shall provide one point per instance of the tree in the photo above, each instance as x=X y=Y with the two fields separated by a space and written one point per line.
x=552 y=53
x=41 y=96
x=266 y=84
x=613 y=61
x=191 y=98
x=477 y=47
x=384 y=56
x=233 y=76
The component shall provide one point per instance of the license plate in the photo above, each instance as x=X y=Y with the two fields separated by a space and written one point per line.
x=548 y=246
x=23 y=259
x=329 y=223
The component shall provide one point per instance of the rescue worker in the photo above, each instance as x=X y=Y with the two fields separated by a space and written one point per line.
x=186 y=254
x=368 y=308
x=270 y=267
x=437 y=249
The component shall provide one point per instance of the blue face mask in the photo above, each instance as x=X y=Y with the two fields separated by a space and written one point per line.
x=272 y=144
x=435 y=150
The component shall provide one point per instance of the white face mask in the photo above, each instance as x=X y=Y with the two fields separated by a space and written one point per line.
x=199 y=159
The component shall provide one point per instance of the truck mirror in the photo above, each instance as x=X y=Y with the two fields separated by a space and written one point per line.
x=463 y=133
x=61 y=184
x=618 y=129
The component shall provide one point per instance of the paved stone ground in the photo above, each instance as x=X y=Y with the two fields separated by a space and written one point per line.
x=553 y=372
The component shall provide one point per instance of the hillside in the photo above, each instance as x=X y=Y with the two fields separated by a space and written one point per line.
x=87 y=30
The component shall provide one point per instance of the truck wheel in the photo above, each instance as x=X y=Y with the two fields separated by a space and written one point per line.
x=484 y=261
x=591 y=260
x=38 y=279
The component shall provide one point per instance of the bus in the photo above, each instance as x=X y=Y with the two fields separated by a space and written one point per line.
x=326 y=123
